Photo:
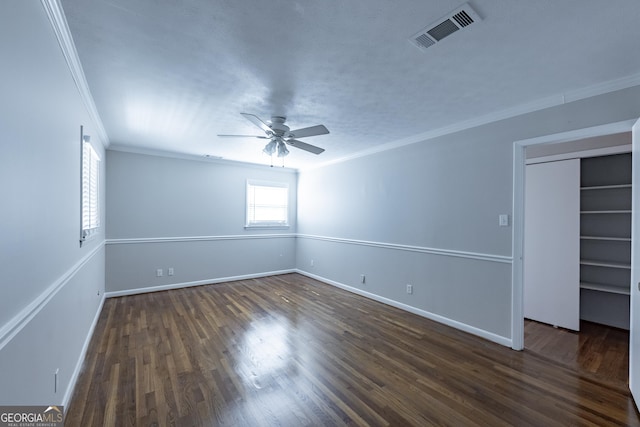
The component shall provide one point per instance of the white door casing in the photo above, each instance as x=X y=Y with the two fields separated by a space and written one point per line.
x=634 y=327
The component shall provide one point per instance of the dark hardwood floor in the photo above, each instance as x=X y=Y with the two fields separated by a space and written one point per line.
x=599 y=350
x=290 y=351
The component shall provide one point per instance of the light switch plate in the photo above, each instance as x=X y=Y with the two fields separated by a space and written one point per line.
x=503 y=220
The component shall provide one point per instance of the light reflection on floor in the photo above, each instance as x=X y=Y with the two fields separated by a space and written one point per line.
x=269 y=369
x=266 y=351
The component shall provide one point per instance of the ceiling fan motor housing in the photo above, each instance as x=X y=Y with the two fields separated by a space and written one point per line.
x=277 y=125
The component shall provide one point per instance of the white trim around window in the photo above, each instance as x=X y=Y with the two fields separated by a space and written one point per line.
x=90 y=192
x=267 y=204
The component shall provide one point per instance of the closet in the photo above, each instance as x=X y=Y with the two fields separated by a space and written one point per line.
x=578 y=238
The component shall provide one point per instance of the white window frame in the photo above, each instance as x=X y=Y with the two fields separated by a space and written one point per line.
x=251 y=222
x=89 y=191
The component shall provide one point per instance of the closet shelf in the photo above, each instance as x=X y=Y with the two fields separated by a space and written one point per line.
x=605 y=264
x=605 y=288
x=605 y=187
x=605 y=241
x=607 y=212
x=612 y=239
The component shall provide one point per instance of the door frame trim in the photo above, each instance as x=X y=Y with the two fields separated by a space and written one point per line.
x=633 y=297
x=517 y=244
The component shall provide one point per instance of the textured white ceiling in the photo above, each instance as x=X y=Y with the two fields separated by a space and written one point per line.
x=170 y=76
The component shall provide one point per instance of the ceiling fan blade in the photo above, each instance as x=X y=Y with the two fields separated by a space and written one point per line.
x=244 y=136
x=257 y=121
x=310 y=131
x=304 y=146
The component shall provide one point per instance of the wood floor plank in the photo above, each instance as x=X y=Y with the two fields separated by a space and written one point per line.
x=291 y=351
x=597 y=349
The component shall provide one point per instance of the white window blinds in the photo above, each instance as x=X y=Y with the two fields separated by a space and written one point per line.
x=90 y=193
x=267 y=204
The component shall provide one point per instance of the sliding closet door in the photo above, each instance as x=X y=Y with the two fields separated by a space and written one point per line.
x=552 y=243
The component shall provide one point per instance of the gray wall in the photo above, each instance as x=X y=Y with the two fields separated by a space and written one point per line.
x=427 y=214
x=51 y=288
x=188 y=215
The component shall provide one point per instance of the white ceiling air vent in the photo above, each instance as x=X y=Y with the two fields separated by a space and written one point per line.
x=445 y=26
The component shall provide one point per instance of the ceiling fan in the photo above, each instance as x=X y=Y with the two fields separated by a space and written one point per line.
x=280 y=135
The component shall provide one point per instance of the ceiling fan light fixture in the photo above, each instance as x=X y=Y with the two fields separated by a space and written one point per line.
x=282 y=149
x=270 y=148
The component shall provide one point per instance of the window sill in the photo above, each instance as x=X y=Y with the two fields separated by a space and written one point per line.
x=270 y=227
x=88 y=235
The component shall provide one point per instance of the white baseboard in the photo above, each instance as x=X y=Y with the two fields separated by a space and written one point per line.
x=76 y=372
x=423 y=313
x=170 y=286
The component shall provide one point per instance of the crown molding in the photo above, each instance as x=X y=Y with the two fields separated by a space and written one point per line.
x=537 y=105
x=196 y=157
x=56 y=16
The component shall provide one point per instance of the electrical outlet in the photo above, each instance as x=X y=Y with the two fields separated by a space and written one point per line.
x=159 y=272
x=409 y=289
x=170 y=271
x=362 y=278
x=311 y=263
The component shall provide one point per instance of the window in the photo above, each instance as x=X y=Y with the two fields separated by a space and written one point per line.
x=267 y=204
x=90 y=187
